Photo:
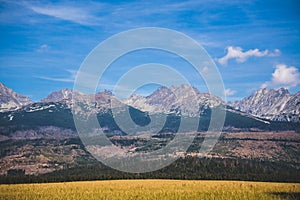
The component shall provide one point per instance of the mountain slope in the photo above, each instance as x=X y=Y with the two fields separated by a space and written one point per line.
x=10 y=100
x=278 y=105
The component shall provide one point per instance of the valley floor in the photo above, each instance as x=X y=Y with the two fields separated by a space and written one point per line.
x=41 y=154
x=152 y=189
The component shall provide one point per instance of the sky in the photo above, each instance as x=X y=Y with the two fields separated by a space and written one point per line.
x=254 y=44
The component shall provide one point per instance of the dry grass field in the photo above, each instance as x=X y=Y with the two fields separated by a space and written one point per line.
x=152 y=189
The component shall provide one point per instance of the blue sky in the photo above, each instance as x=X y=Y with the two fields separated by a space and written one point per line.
x=254 y=43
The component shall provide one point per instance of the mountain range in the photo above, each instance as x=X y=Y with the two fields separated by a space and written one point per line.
x=270 y=104
x=41 y=137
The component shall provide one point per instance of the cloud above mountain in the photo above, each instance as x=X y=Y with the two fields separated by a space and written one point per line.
x=241 y=56
x=229 y=92
x=284 y=76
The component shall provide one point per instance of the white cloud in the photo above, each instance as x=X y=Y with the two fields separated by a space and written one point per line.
x=276 y=52
x=284 y=76
x=229 y=92
x=70 y=78
x=43 y=48
x=240 y=56
x=75 y=14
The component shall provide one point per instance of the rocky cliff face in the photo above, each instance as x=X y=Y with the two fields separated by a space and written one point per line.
x=271 y=104
x=10 y=100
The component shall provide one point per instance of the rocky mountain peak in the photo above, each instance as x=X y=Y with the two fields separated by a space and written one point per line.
x=183 y=88
x=61 y=95
x=162 y=91
x=135 y=96
x=271 y=104
x=105 y=92
x=185 y=91
x=283 y=91
x=267 y=91
x=10 y=100
x=184 y=99
x=262 y=91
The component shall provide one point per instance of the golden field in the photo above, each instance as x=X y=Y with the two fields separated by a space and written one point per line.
x=151 y=189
